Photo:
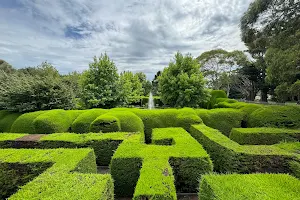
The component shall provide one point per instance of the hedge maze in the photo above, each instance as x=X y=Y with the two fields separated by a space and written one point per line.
x=229 y=152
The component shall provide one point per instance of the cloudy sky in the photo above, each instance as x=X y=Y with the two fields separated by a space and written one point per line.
x=139 y=35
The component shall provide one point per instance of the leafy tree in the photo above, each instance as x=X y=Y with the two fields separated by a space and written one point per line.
x=6 y=67
x=25 y=92
x=262 y=24
x=131 y=88
x=283 y=59
x=219 y=65
x=282 y=92
x=100 y=83
x=145 y=83
x=182 y=83
x=295 y=89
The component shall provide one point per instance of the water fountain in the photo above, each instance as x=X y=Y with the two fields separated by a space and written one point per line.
x=150 y=102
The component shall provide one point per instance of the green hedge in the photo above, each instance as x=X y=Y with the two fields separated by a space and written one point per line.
x=222 y=119
x=64 y=179
x=156 y=181
x=83 y=121
x=6 y=120
x=186 y=156
x=24 y=123
x=125 y=121
x=249 y=186
x=55 y=121
x=228 y=156
x=104 y=145
x=276 y=116
x=105 y=123
x=162 y=118
x=263 y=135
x=215 y=95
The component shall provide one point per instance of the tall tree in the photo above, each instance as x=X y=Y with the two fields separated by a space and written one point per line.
x=182 y=83
x=262 y=23
x=100 y=83
x=145 y=83
x=131 y=88
x=42 y=89
x=218 y=66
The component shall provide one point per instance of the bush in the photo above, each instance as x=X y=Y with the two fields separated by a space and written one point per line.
x=228 y=156
x=260 y=136
x=249 y=186
x=186 y=156
x=7 y=120
x=222 y=119
x=24 y=123
x=83 y=121
x=54 y=121
x=166 y=118
x=275 y=116
x=128 y=121
x=64 y=179
x=182 y=83
x=214 y=95
x=105 y=123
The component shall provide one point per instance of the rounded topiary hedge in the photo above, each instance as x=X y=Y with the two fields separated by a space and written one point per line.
x=7 y=119
x=82 y=122
x=24 y=123
x=223 y=119
x=105 y=123
x=275 y=116
x=129 y=122
x=55 y=121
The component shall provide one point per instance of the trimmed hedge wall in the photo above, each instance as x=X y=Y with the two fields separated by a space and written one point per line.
x=62 y=180
x=122 y=121
x=222 y=119
x=6 y=120
x=276 y=116
x=24 y=123
x=104 y=145
x=228 y=156
x=55 y=121
x=263 y=135
x=83 y=121
x=249 y=186
x=166 y=118
x=187 y=158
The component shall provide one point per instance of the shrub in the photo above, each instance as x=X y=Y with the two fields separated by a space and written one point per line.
x=129 y=122
x=166 y=118
x=64 y=179
x=215 y=94
x=186 y=156
x=7 y=120
x=24 y=123
x=260 y=136
x=228 y=156
x=275 y=116
x=249 y=186
x=222 y=119
x=104 y=145
x=54 y=121
x=83 y=121
x=105 y=123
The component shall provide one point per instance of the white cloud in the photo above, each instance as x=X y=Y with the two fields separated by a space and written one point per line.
x=137 y=35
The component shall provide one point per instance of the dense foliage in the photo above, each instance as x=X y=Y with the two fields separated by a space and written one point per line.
x=182 y=83
x=38 y=88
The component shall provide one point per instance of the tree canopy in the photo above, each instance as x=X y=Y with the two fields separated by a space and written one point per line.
x=182 y=83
